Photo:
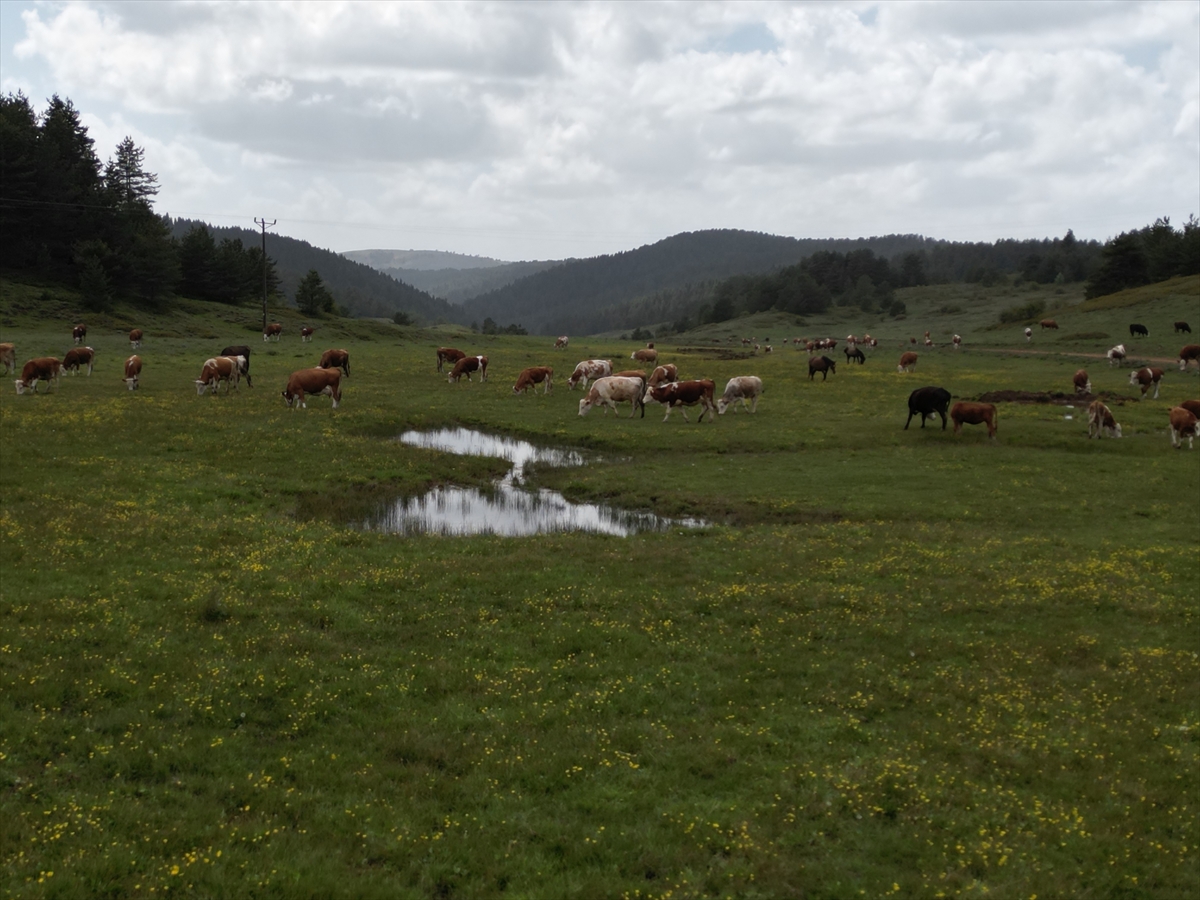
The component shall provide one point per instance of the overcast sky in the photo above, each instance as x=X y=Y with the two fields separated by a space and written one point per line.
x=543 y=130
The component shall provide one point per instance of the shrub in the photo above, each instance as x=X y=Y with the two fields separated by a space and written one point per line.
x=1023 y=312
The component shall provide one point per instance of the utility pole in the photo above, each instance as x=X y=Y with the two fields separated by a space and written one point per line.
x=265 y=225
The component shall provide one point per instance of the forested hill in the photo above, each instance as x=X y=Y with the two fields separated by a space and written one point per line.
x=359 y=288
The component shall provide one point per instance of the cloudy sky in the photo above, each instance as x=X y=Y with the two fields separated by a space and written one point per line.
x=543 y=130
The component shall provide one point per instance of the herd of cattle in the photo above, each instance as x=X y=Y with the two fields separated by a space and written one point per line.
x=633 y=386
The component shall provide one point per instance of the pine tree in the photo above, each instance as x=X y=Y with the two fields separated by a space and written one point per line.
x=312 y=296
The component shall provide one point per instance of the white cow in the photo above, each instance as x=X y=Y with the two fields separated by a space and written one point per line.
x=1116 y=354
x=587 y=370
x=614 y=389
x=741 y=388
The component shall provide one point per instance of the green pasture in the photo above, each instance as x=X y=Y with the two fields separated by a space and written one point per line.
x=894 y=663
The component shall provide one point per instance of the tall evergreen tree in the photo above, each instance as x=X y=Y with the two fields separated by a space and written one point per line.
x=313 y=297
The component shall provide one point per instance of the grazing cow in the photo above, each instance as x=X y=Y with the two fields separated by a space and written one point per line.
x=1048 y=323
x=533 y=376
x=745 y=341
x=663 y=374
x=870 y=341
x=1029 y=334
x=1192 y=406
x=853 y=354
x=272 y=332
x=741 y=388
x=79 y=333
x=1136 y=329
x=78 y=357
x=852 y=340
x=908 y=362
x=561 y=342
x=244 y=352
x=631 y=373
x=1182 y=326
x=1183 y=424
x=133 y=371
x=466 y=366
x=1147 y=378
x=135 y=339
x=967 y=412
x=822 y=364
x=587 y=370
x=448 y=355
x=925 y=402
x=1101 y=421
x=306 y=382
x=336 y=359
x=928 y=340
x=684 y=394
x=220 y=368
x=767 y=348
x=609 y=390
x=649 y=356
x=956 y=341
x=1083 y=384
x=1115 y=355
x=44 y=368
x=8 y=356
x=306 y=334
x=1189 y=354
x=912 y=340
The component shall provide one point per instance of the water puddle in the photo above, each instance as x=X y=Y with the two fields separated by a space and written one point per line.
x=507 y=509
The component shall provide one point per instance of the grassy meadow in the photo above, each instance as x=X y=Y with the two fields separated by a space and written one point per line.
x=894 y=663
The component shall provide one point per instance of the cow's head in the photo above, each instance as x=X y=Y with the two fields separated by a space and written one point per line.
x=584 y=405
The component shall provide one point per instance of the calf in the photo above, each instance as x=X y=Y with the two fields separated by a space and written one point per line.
x=741 y=388
x=684 y=394
x=533 y=376
x=1182 y=326
x=466 y=366
x=1101 y=421
x=1183 y=424
x=79 y=333
x=220 y=368
x=561 y=342
x=306 y=334
x=664 y=374
x=336 y=359
x=272 y=332
x=610 y=390
x=8 y=356
x=908 y=362
x=589 y=370
x=853 y=354
x=956 y=342
x=77 y=357
x=1147 y=378
x=1083 y=384
x=448 y=355
x=1116 y=355
x=870 y=341
x=244 y=352
x=648 y=356
x=313 y=382
x=1048 y=323
x=45 y=368
x=822 y=364
x=925 y=402
x=1028 y=334
x=1136 y=329
x=133 y=371
x=1189 y=354
x=135 y=339
x=966 y=412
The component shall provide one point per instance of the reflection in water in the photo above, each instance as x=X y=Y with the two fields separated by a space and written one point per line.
x=506 y=510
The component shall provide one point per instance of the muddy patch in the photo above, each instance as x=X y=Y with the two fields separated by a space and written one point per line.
x=1055 y=397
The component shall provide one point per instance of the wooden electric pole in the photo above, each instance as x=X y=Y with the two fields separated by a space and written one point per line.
x=265 y=225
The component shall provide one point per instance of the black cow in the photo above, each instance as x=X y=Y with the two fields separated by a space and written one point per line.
x=1183 y=326
x=822 y=364
x=854 y=355
x=241 y=350
x=926 y=401
x=1136 y=329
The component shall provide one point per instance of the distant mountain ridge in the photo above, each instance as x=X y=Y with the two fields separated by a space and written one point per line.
x=460 y=285
x=421 y=260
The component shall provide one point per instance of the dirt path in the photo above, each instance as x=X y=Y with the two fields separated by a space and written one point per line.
x=1158 y=359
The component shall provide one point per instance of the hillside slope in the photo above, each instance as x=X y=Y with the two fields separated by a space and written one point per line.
x=460 y=285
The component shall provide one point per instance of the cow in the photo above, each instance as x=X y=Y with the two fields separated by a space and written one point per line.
x=908 y=362
x=1192 y=406
x=1048 y=323
x=853 y=354
x=684 y=394
x=8 y=356
x=244 y=352
x=1181 y=327
x=1083 y=384
x=306 y=333
x=77 y=357
x=648 y=356
x=870 y=341
x=448 y=355
x=466 y=366
x=1115 y=355
x=1101 y=421
x=970 y=413
x=852 y=340
x=313 y=382
x=956 y=342
x=1189 y=354
x=44 y=368
x=609 y=390
x=1183 y=424
x=220 y=368
x=588 y=370
x=1135 y=329
x=928 y=341
x=663 y=374
x=1029 y=334
x=741 y=388
x=561 y=342
x=336 y=359
x=631 y=373
x=133 y=371
x=925 y=402
x=533 y=376
x=822 y=364
x=135 y=339
x=913 y=341
x=79 y=333
x=1147 y=378
x=272 y=332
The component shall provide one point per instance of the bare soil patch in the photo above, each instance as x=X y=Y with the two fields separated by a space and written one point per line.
x=1056 y=397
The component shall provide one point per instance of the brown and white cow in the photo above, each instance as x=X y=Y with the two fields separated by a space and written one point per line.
x=466 y=366
x=561 y=342
x=135 y=338
x=928 y=341
x=79 y=333
x=77 y=358
x=649 y=356
x=1189 y=354
x=1083 y=384
x=1101 y=421
x=684 y=394
x=970 y=413
x=244 y=352
x=1183 y=424
x=217 y=369
x=664 y=374
x=908 y=361
x=1192 y=406
x=533 y=376
x=822 y=364
x=448 y=355
x=1148 y=377
x=306 y=382
x=1048 y=323
x=306 y=333
x=336 y=359
x=1116 y=355
x=44 y=368
x=133 y=371
x=745 y=389
x=272 y=332
x=631 y=373
x=956 y=342
x=870 y=341
x=589 y=370
x=1029 y=334
x=8 y=356
x=610 y=390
